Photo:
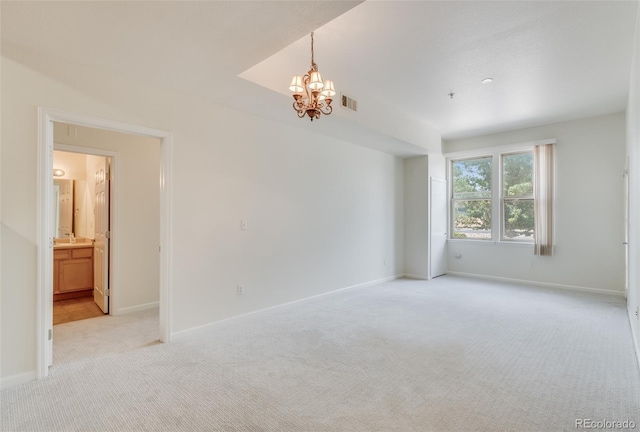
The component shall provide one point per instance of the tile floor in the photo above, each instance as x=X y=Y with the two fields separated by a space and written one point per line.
x=75 y=309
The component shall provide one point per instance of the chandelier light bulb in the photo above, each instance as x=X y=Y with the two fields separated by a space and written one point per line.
x=296 y=85
x=328 y=90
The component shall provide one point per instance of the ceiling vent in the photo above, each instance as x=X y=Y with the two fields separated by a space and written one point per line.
x=348 y=103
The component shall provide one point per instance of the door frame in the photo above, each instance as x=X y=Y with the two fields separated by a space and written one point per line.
x=44 y=324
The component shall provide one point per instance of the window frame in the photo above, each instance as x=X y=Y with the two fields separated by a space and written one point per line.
x=497 y=223
x=453 y=200
x=504 y=198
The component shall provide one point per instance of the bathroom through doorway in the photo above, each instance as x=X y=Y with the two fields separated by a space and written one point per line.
x=80 y=217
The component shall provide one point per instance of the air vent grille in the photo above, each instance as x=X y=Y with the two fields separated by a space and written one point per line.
x=348 y=103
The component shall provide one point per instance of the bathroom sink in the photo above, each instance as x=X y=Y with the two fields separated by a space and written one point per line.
x=67 y=242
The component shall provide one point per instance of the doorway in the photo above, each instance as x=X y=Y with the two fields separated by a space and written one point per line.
x=47 y=120
x=81 y=214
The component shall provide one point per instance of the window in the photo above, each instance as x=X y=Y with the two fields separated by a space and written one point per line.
x=476 y=197
x=517 y=196
x=471 y=201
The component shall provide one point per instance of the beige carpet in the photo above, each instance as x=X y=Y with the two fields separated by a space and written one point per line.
x=451 y=354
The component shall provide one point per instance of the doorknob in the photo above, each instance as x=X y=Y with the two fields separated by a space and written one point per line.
x=625 y=243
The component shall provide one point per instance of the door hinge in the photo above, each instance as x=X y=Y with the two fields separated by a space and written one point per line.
x=107 y=234
x=107 y=292
x=50 y=334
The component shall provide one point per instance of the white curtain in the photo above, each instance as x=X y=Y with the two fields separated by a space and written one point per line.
x=543 y=199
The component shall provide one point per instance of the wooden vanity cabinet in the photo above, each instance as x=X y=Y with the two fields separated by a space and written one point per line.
x=72 y=272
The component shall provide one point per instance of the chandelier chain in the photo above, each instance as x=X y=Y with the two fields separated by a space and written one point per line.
x=314 y=66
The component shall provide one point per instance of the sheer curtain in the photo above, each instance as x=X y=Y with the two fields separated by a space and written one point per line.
x=543 y=199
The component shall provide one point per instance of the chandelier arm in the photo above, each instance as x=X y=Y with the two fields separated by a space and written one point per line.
x=306 y=80
x=327 y=109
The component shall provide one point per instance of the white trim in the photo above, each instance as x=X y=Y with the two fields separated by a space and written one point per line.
x=137 y=308
x=44 y=307
x=507 y=148
x=166 y=240
x=488 y=242
x=44 y=295
x=414 y=276
x=84 y=150
x=18 y=379
x=182 y=333
x=536 y=283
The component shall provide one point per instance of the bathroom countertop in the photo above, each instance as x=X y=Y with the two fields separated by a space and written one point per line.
x=72 y=245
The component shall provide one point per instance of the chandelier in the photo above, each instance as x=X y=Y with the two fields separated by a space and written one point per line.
x=312 y=96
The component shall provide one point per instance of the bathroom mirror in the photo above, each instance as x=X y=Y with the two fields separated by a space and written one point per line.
x=70 y=208
x=63 y=207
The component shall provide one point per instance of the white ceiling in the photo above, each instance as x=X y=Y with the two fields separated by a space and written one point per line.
x=551 y=61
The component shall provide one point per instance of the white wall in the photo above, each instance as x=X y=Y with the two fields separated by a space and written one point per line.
x=633 y=153
x=416 y=234
x=137 y=193
x=322 y=213
x=588 y=215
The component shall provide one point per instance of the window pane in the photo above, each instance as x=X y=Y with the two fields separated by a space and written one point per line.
x=472 y=219
x=517 y=174
x=518 y=219
x=472 y=178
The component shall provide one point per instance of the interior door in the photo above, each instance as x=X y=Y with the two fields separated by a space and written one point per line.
x=101 y=245
x=437 y=227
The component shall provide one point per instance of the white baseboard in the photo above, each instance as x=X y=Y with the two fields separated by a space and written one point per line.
x=543 y=284
x=137 y=308
x=15 y=380
x=413 y=276
x=183 y=333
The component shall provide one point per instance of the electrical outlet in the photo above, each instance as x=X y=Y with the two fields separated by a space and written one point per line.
x=243 y=225
x=240 y=289
x=638 y=312
x=458 y=255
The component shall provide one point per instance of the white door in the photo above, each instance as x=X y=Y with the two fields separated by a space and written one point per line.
x=437 y=227
x=101 y=245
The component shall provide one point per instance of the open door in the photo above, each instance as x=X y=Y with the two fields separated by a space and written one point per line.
x=101 y=244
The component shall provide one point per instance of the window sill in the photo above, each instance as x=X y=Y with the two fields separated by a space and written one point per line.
x=493 y=242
